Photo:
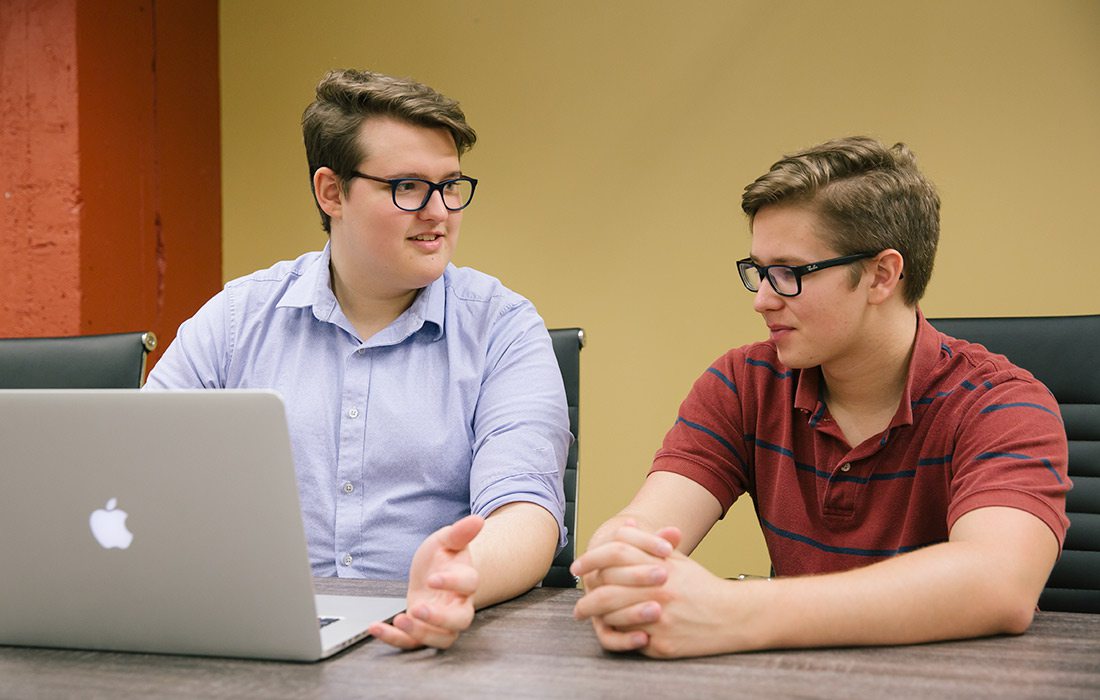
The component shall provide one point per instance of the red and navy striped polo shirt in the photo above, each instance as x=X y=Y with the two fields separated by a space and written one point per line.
x=972 y=430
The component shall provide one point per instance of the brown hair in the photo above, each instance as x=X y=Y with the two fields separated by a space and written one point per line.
x=330 y=125
x=869 y=198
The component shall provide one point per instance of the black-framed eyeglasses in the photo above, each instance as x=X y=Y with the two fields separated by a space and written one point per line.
x=786 y=280
x=413 y=193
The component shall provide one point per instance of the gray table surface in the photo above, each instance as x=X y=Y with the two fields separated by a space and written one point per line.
x=531 y=648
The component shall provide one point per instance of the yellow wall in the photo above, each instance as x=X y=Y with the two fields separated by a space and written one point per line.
x=615 y=139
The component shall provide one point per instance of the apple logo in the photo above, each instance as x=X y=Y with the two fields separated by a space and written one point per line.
x=109 y=527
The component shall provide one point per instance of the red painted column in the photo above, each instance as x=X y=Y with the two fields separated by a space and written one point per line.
x=119 y=174
x=40 y=194
x=188 y=137
x=110 y=150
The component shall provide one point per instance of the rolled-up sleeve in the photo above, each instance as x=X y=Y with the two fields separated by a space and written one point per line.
x=521 y=423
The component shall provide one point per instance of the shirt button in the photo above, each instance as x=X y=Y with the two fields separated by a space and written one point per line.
x=846 y=467
x=347 y=560
x=348 y=487
x=353 y=413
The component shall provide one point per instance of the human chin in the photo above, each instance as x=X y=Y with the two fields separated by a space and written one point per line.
x=794 y=357
x=427 y=269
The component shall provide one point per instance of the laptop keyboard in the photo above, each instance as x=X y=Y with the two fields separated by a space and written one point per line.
x=328 y=620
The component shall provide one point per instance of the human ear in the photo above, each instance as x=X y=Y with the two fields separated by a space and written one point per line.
x=887 y=269
x=327 y=190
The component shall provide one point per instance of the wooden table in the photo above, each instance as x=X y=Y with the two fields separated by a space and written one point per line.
x=532 y=648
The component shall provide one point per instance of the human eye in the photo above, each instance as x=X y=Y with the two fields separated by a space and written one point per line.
x=782 y=273
x=784 y=279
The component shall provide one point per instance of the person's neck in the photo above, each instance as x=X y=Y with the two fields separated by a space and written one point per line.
x=863 y=389
x=366 y=310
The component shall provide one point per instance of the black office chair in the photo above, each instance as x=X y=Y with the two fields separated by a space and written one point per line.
x=567 y=347
x=113 y=361
x=1062 y=352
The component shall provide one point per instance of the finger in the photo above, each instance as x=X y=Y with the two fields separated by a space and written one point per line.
x=458 y=579
x=458 y=536
x=631 y=618
x=671 y=534
x=448 y=618
x=590 y=580
x=652 y=543
x=613 y=553
x=614 y=640
x=393 y=636
x=424 y=633
x=637 y=575
x=607 y=599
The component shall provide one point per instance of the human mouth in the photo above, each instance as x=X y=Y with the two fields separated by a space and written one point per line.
x=778 y=331
x=427 y=243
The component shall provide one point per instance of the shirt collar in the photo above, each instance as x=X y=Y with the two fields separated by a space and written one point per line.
x=926 y=352
x=434 y=297
x=426 y=312
x=313 y=289
x=922 y=369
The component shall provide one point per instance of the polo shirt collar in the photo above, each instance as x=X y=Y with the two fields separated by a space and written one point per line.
x=922 y=370
x=926 y=352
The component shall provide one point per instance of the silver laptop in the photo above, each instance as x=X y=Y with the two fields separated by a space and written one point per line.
x=162 y=522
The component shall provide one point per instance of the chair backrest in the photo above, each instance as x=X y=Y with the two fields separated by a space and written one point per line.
x=113 y=361
x=567 y=347
x=1063 y=353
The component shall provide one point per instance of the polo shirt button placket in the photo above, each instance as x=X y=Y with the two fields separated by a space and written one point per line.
x=839 y=493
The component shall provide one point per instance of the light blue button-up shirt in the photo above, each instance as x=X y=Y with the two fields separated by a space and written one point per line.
x=456 y=407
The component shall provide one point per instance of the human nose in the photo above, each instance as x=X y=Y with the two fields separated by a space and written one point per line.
x=766 y=298
x=434 y=209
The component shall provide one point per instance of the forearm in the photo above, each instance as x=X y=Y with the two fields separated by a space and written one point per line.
x=666 y=499
x=513 y=551
x=924 y=596
x=958 y=589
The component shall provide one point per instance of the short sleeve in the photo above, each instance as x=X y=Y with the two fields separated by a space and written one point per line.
x=707 y=442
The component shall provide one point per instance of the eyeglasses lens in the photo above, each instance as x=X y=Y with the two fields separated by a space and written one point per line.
x=784 y=280
x=750 y=276
x=412 y=195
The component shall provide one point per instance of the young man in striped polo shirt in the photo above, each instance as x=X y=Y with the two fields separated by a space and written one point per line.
x=910 y=486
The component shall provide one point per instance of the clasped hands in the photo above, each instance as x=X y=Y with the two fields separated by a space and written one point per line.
x=640 y=593
x=643 y=595
x=442 y=584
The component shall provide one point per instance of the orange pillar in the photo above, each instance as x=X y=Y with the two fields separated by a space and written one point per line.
x=39 y=174
x=113 y=221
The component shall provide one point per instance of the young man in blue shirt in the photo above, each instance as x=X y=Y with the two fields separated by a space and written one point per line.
x=426 y=409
